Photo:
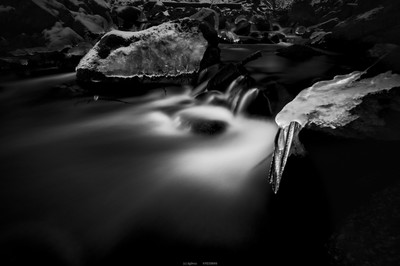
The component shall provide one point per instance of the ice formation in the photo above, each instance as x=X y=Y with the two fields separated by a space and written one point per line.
x=325 y=104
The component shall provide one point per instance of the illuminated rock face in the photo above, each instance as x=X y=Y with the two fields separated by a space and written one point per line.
x=172 y=51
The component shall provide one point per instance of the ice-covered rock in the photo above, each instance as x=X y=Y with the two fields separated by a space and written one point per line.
x=334 y=105
x=170 y=52
x=329 y=103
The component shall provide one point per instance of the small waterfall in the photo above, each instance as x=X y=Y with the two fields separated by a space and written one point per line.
x=245 y=101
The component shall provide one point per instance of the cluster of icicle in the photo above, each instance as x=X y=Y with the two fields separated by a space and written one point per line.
x=325 y=104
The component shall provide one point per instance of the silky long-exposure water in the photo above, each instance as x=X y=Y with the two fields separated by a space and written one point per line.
x=79 y=179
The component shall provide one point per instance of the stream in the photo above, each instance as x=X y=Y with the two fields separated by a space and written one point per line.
x=101 y=182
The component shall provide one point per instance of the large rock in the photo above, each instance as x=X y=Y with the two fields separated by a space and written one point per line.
x=332 y=104
x=170 y=52
x=335 y=107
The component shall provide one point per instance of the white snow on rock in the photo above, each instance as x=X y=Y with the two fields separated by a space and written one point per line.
x=328 y=103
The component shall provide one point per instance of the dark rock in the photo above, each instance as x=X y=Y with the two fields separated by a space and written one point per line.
x=181 y=12
x=208 y=127
x=111 y=42
x=222 y=23
x=158 y=12
x=243 y=28
x=256 y=34
x=303 y=13
x=125 y=17
x=231 y=72
x=260 y=23
x=211 y=56
x=209 y=16
x=277 y=37
x=300 y=30
x=209 y=33
x=200 y=122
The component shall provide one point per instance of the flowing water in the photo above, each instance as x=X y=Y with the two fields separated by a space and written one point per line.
x=106 y=180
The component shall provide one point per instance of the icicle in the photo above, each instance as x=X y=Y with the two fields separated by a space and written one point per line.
x=283 y=144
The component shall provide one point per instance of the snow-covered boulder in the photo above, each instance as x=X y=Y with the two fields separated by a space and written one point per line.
x=169 y=52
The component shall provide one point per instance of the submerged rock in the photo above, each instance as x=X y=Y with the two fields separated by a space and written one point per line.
x=204 y=120
x=170 y=52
